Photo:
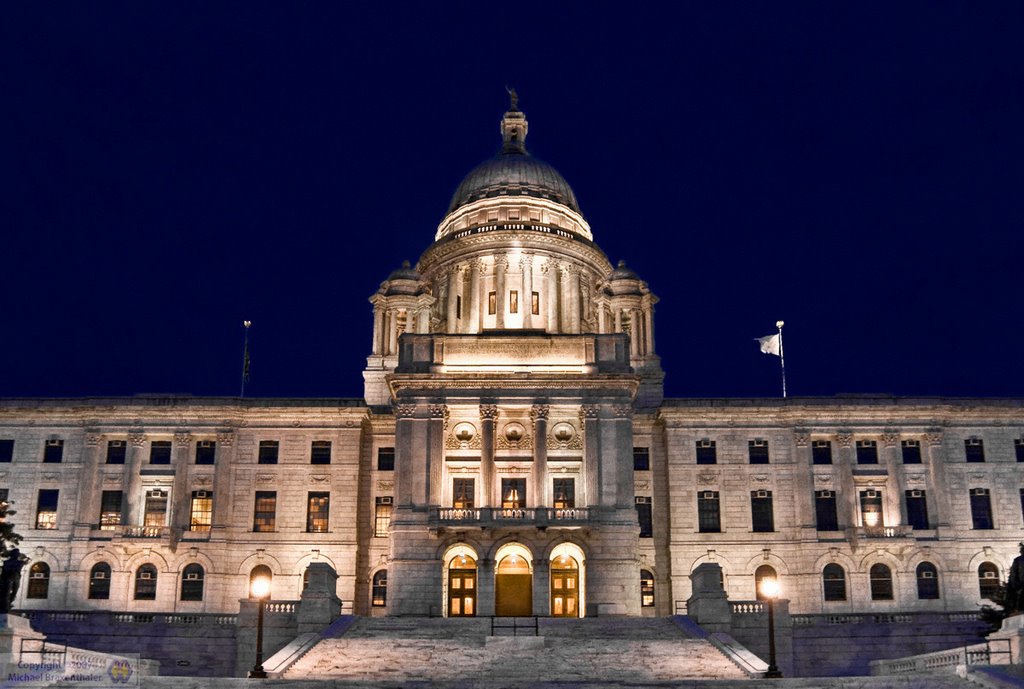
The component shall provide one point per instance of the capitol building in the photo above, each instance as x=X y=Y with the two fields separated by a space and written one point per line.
x=513 y=454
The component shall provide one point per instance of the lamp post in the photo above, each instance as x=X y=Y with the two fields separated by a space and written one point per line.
x=770 y=590
x=260 y=589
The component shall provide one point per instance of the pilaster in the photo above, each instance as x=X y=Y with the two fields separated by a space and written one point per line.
x=539 y=414
x=488 y=415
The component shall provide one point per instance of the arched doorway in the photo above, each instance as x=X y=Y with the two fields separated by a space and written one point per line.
x=567 y=581
x=462 y=586
x=513 y=582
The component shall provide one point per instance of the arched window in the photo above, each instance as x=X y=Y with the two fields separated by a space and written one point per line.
x=761 y=575
x=927 y=581
x=192 y=582
x=38 y=581
x=646 y=589
x=834 y=579
x=99 y=581
x=257 y=572
x=988 y=580
x=379 y=595
x=145 y=583
x=881 y=582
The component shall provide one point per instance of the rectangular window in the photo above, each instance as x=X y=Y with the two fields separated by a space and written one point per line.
x=265 y=511
x=1018 y=449
x=492 y=303
x=1021 y=500
x=564 y=490
x=3 y=495
x=911 y=451
x=917 y=510
x=706 y=452
x=269 y=450
x=867 y=452
x=382 y=516
x=386 y=459
x=535 y=303
x=156 y=507
x=462 y=493
x=974 y=450
x=513 y=493
x=758 y=451
x=53 y=453
x=206 y=452
x=761 y=515
x=641 y=458
x=981 y=509
x=643 y=515
x=320 y=453
x=871 y=508
x=201 y=512
x=825 y=513
x=46 y=508
x=821 y=452
x=708 y=517
x=6 y=449
x=110 y=509
x=513 y=301
x=160 y=452
x=116 y=451
x=318 y=511
x=458 y=307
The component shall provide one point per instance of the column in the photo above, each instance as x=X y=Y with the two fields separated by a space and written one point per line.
x=566 y=292
x=602 y=318
x=937 y=486
x=539 y=414
x=541 y=587
x=649 y=326
x=92 y=483
x=481 y=299
x=618 y=320
x=222 y=493
x=471 y=319
x=454 y=291
x=500 y=268
x=591 y=455
x=634 y=333
x=526 y=296
x=485 y=587
x=574 y=298
x=392 y=331
x=488 y=415
x=435 y=490
x=133 y=482
x=179 y=507
x=378 y=327
x=551 y=270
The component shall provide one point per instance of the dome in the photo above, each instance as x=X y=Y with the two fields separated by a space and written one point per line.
x=623 y=273
x=406 y=272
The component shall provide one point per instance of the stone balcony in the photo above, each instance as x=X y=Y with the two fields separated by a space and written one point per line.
x=540 y=518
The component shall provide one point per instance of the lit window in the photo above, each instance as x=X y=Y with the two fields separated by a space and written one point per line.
x=201 y=514
x=379 y=595
x=156 y=508
x=535 y=303
x=46 y=508
x=646 y=589
x=318 y=506
x=145 y=583
x=192 y=582
x=513 y=301
x=492 y=303
x=382 y=516
x=564 y=490
x=513 y=493
x=111 y=503
x=463 y=493
x=38 y=581
x=265 y=511
x=871 y=509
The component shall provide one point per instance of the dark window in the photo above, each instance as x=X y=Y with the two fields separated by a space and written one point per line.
x=981 y=509
x=643 y=515
x=761 y=517
x=379 y=595
x=458 y=307
x=145 y=583
x=762 y=574
x=53 y=453
x=155 y=508
x=646 y=589
x=160 y=452
x=513 y=301
x=1021 y=501
x=201 y=512
x=385 y=459
x=320 y=453
x=206 y=452
x=881 y=582
x=871 y=509
x=758 y=451
x=641 y=458
x=565 y=493
x=265 y=511
x=821 y=452
x=463 y=490
x=3 y=498
x=988 y=581
x=111 y=503
x=974 y=450
x=834 y=579
x=513 y=493
x=927 y=581
x=46 y=508
x=260 y=572
x=1018 y=449
x=827 y=517
x=917 y=509
x=99 y=581
x=706 y=452
x=6 y=449
x=492 y=303
x=192 y=582
x=535 y=303
x=911 y=451
x=38 y=581
x=116 y=451
x=268 y=451
x=867 y=452
x=318 y=509
x=708 y=518
x=382 y=516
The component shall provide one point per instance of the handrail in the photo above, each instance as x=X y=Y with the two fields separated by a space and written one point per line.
x=515 y=626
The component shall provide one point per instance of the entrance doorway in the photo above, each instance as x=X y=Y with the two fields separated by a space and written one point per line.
x=513 y=587
x=462 y=587
x=565 y=587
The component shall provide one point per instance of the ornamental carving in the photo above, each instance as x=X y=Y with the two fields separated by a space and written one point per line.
x=501 y=261
x=801 y=437
x=589 y=411
x=642 y=485
x=514 y=437
x=92 y=439
x=844 y=438
x=405 y=411
x=385 y=486
x=264 y=478
x=623 y=410
x=319 y=478
x=137 y=438
x=112 y=478
x=890 y=437
x=512 y=470
x=563 y=436
x=488 y=412
x=463 y=437
x=438 y=411
x=915 y=479
x=182 y=439
x=759 y=479
x=933 y=436
x=540 y=411
x=707 y=479
x=202 y=480
x=823 y=479
x=225 y=438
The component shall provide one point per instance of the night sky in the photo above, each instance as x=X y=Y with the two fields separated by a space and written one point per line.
x=170 y=169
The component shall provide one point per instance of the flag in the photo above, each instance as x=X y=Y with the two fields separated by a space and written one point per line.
x=770 y=344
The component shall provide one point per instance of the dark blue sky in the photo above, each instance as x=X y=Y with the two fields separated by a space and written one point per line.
x=171 y=169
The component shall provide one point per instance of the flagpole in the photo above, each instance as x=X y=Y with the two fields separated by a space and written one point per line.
x=245 y=357
x=782 y=358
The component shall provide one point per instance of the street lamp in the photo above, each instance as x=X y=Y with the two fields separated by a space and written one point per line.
x=770 y=591
x=260 y=590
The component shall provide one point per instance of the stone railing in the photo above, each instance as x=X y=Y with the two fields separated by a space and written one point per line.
x=748 y=607
x=104 y=617
x=542 y=517
x=885 y=618
x=993 y=652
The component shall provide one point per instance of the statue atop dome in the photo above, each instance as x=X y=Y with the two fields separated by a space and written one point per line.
x=514 y=98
